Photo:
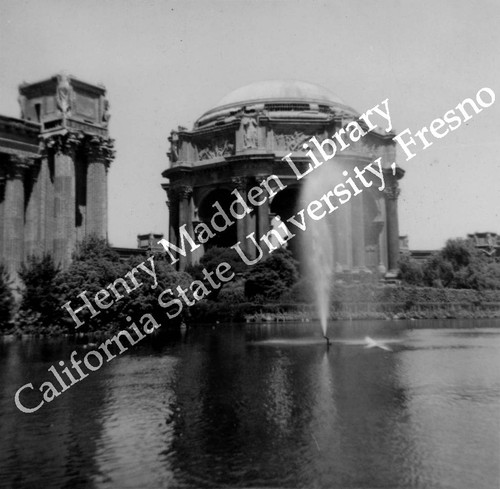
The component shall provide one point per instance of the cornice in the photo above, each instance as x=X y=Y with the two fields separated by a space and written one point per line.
x=19 y=126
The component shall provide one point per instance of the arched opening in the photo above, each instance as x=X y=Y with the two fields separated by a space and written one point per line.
x=285 y=204
x=206 y=212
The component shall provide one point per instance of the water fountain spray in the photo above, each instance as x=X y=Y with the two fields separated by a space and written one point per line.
x=319 y=246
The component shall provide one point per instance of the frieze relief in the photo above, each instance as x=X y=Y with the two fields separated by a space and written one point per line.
x=293 y=142
x=217 y=148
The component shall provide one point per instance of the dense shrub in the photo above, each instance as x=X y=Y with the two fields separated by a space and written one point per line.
x=300 y=292
x=459 y=265
x=233 y=292
x=145 y=299
x=211 y=260
x=41 y=299
x=272 y=277
x=95 y=265
x=411 y=271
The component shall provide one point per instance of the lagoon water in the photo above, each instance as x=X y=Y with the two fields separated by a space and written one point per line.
x=262 y=406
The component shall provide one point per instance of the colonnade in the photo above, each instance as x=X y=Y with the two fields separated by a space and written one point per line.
x=348 y=225
x=45 y=203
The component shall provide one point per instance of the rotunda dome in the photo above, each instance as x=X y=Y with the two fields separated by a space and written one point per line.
x=299 y=95
x=279 y=90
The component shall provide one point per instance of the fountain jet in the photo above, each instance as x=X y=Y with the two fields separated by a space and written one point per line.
x=319 y=241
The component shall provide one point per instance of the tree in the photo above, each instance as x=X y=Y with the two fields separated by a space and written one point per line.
x=95 y=265
x=145 y=298
x=40 y=301
x=411 y=271
x=212 y=259
x=460 y=265
x=271 y=277
x=459 y=253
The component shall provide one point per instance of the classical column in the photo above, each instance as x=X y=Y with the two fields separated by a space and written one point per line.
x=186 y=217
x=262 y=214
x=13 y=227
x=32 y=186
x=47 y=221
x=173 y=214
x=99 y=155
x=343 y=237
x=391 y=205
x=246 y=225
x=381 y=224
x=358 y=232
x=64 y=147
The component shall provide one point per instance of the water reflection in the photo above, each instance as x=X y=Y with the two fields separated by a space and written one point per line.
x=264 y=406
x=46 y=448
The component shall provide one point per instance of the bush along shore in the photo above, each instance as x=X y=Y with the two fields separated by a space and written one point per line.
x=457 y=282
x=363 y=302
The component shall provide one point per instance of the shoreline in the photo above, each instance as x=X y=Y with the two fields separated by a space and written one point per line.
x=280 y=316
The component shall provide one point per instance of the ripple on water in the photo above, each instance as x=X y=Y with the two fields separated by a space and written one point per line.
x=222 y=410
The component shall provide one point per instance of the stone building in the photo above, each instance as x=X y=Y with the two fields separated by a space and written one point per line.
x=54 y=161
x=487 y=242
x=243 y=139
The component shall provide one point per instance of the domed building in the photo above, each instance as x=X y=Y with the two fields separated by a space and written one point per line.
x=245 y=139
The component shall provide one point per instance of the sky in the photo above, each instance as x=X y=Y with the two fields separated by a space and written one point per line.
x=164 y=63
